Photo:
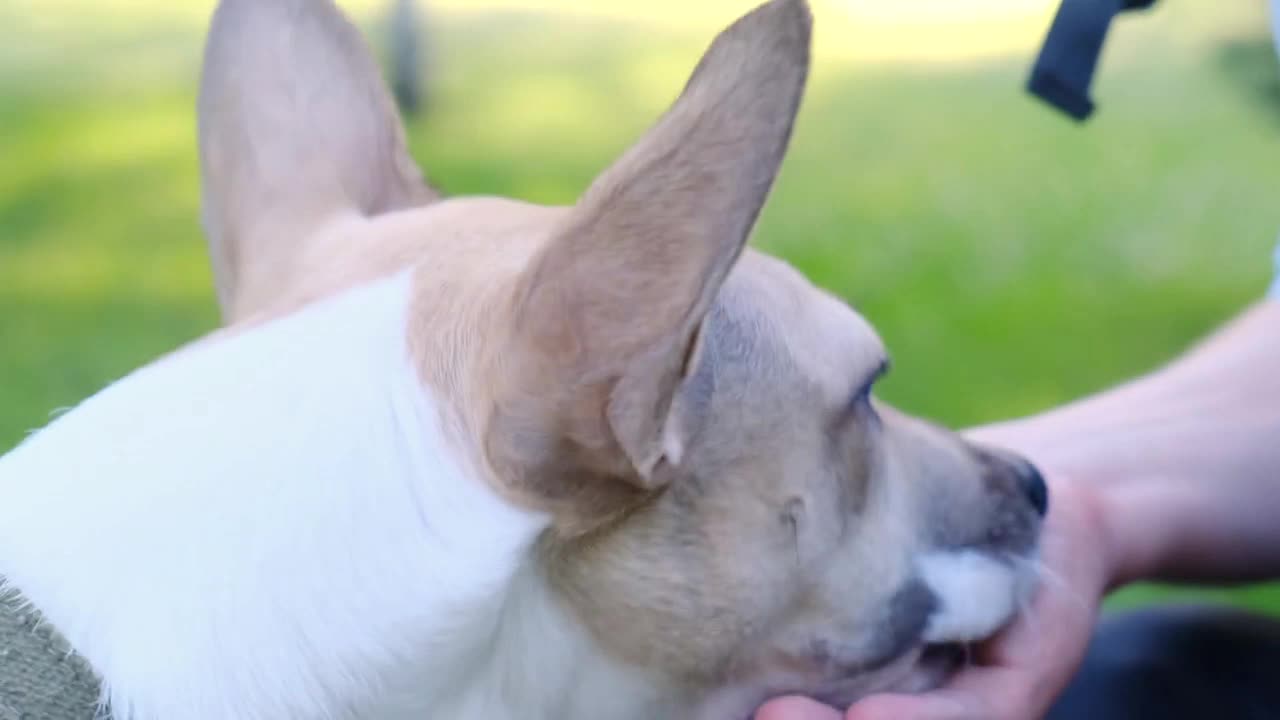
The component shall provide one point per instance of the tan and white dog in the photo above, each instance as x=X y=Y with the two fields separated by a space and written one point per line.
x=473 y=458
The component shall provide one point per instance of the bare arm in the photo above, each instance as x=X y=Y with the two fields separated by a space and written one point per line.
x=1185 y=461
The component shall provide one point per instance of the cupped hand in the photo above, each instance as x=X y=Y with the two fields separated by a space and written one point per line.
x=1018 y=674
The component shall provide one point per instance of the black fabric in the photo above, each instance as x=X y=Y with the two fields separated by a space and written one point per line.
x=1064 y=70
x=1178 y=663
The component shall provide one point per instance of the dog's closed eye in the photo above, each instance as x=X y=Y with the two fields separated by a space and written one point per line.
x=792 y=516
x=860 y=399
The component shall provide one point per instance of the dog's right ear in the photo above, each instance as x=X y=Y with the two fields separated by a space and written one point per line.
x=608 y=316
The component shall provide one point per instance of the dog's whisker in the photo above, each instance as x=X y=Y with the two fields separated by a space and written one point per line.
x=1056 y=583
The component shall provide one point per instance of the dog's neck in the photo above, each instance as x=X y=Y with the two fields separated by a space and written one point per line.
x=540 y=664
x=278 y=524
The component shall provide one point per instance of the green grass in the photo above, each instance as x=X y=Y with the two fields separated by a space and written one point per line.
x=1011 y=260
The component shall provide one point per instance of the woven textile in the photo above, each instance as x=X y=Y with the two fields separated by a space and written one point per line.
x=40 y=678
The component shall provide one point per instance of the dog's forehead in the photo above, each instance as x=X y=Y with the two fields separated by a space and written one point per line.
x=800 y=326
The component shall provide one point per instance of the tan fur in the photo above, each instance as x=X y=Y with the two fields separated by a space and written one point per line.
x=724 y=505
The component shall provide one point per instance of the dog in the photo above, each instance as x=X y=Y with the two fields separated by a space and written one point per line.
x=474 y=458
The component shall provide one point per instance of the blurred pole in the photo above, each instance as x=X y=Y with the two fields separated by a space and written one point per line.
x=407 y=61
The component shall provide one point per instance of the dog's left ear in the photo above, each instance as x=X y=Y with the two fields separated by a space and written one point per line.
x=612 y=307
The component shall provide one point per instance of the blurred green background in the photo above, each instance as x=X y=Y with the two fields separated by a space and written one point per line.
x=1011 y=259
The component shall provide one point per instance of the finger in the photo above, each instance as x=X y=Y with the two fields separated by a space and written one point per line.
x=997 y=693
x=796 y=708
x=937 y=705
x=1022 y=693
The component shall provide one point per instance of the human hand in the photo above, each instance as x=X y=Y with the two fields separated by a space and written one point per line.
x=1018 y=674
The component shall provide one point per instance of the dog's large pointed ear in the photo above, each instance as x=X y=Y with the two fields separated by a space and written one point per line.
x=614 y=303
x=296 y=127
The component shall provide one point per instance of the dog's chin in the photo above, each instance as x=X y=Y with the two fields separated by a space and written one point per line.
x=922 y=668
x=978 y=596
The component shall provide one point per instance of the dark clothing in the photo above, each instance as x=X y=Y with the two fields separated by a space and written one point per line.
x=1178 y=663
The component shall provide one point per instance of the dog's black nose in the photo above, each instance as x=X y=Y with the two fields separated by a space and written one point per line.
x=1034 y=486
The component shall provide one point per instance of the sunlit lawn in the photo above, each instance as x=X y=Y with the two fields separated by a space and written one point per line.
x=1011 y=259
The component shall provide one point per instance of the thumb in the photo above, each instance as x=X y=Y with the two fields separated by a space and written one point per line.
x=937 y=705
x=796 y=708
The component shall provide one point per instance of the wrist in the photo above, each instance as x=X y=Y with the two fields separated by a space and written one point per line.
x=1133 y=532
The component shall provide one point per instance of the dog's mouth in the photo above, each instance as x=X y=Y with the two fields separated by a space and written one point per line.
x=960 y=598
x=941 y=660
x=976 y=595
x=935 y=624
x=924 y=668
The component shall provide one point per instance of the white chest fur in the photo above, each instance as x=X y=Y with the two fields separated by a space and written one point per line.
x=274 y=525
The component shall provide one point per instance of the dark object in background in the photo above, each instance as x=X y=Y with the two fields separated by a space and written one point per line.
x=407 y=62
x=1064 y=70
x=1177 y=662
x=1249 y=65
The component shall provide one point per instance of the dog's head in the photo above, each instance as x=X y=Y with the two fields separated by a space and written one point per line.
x=732 y=504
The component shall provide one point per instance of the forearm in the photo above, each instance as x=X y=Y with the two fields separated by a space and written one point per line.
x=1186 y=460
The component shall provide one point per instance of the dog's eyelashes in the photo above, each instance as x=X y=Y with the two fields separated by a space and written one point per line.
x=861 y=399
x=856 y=406
x=792 y=516
x=864 y=396
x=881 y=370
